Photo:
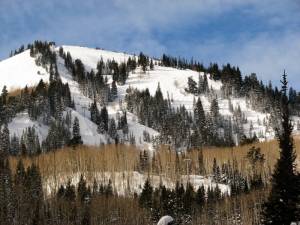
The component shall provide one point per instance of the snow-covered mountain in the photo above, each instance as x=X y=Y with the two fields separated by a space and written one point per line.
x=21 y=70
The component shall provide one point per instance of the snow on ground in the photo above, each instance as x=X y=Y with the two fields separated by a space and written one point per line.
x=172 y=83
x=20 y=70
x=88 y=129
x=131 y=182
x=90 y=57
x=22 y=121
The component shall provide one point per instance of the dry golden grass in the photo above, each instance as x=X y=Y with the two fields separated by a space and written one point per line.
x=117 y=158
x=17 y=91
x=167 y=159
x=269 y=148
x=84 y=159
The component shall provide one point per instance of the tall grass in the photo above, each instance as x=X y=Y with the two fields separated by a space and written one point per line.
x=117 y=158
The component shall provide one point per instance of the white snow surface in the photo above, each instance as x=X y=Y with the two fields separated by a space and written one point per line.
x=125 y=182
x=90 y=57
x=22 y=121
x=21 y=70
x=88 y=129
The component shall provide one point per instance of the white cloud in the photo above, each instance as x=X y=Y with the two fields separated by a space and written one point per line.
x=133 y=24
x=269 y=56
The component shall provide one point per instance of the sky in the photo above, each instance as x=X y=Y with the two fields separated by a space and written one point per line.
x=260 y=36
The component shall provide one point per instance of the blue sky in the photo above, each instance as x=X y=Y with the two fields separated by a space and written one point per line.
x=261 y=36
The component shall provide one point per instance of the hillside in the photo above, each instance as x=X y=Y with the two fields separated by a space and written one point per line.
x=23 y=69
x=115 y=135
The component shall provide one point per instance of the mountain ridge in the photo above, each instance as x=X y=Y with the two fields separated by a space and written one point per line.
x=173 y=84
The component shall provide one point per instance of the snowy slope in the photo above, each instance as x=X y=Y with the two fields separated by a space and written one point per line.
x=88 y=128
x=90 y=57
x=173 y=83
x=132 y=182
x=21 y=70
x=22 y=121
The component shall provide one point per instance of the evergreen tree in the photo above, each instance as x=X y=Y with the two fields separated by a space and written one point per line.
x=188 y=199
x=281 y=206
x=103 y=120
x=14 y=145
x=142 y=61
x=200 y=196
x=123 y=74
x=5 y=140
x=146 y=195
x=7 y=202
x=114 y=91
x=76 y=140
x=4 y=95
x=200 y=120
x=151 y=65
x=82 y=190
x=192 y=86
x=95 y=115
x=112 y=130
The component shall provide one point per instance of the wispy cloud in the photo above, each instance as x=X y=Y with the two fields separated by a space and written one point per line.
x=261 y=37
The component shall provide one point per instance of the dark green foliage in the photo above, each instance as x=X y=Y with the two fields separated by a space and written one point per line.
x=76 y=136
x=281 y=206
x=200 y=121
x=19 y=50
x=43 y=53
x=114 y=90
x=4 y=140
x=7 y=207
x=192 y=86
x=200 y=196
x=58 y=136
x=103 y=123
x=145 y=199
x=95 y=114
x=143 y=61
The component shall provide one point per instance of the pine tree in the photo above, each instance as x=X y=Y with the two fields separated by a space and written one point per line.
x=151 y=65
x=70 y=192
x=114 y=90
x=82 y=189
x=214 y=109
x=112 y=130
x=76 y=140
x=200 y=120
x=108 y=189
x=281 y=206
x=104 y=119
x=146 y=195
x=192 y=86
x=14 y=145
x=123 y=74
x=95 y=115
x=5 y=140
x=188 y=198
x=205 y=84
x=216 y=171
x=7 y=202
x=34 y=194
x=4 y=95
x=200 y=196
x=142 y=61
